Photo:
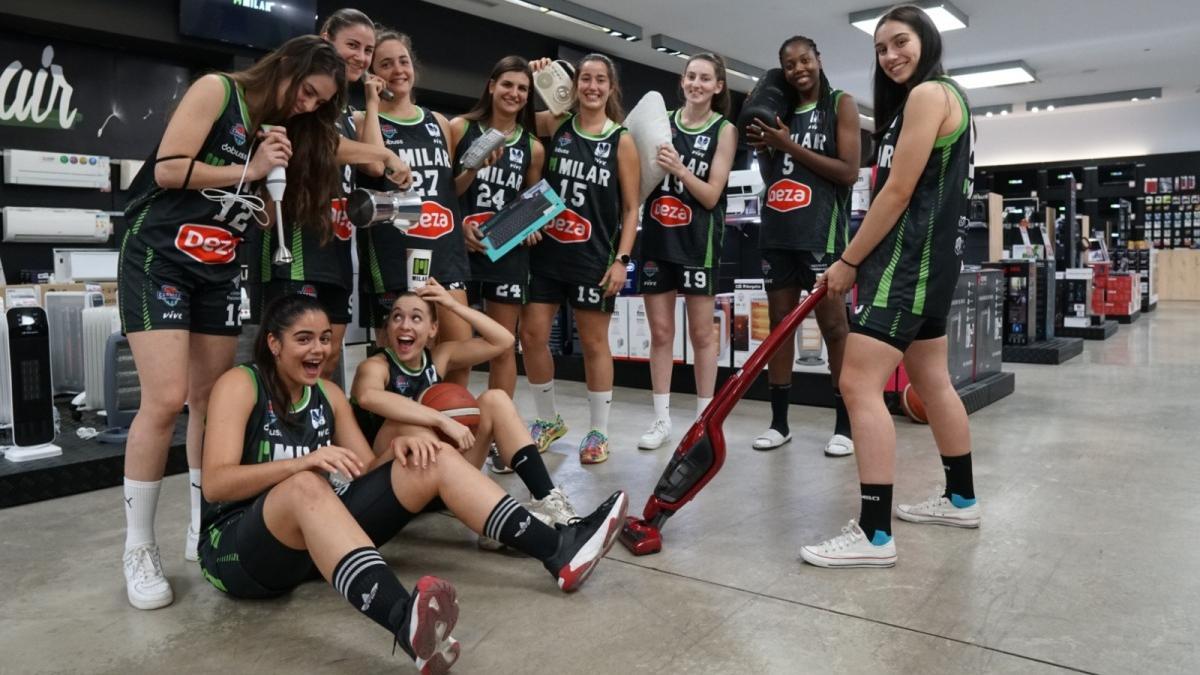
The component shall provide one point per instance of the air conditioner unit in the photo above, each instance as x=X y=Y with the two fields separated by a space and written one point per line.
x=98 y=324
x=85 y=264
x=64 y=312
x=129 y=169
x=23 y=225
x=57 y=169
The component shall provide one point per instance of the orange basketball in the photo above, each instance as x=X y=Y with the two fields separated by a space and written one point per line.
x=913 y=407
x=454 y=401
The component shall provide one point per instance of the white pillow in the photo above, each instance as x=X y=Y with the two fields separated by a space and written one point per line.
x=650 y=127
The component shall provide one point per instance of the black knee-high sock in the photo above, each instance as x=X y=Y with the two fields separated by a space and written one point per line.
x=842 y=425
x=364 y=579
x=510 y=524
x=529 y=466
x=959 y=481
x=876 y=513
x=780 y=393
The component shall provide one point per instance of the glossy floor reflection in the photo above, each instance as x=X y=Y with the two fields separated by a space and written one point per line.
x=1086 y=559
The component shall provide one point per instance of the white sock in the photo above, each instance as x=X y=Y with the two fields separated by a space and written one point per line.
x=701 y=404
x=543 y=399
x=662 y=407
x=599 y=403
x=141 y=501
x=194 y=491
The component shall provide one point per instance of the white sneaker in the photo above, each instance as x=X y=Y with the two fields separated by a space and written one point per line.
x=658 y=434
x=839 y=446
x=771 y=439
x=489 y=544
x=851 y=549
x=555 y=507
x=191 y=545
x=145 y=584
x=940 y=511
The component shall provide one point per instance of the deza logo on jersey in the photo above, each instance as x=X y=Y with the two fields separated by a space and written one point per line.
x=788 y=195
x=477 y=219
x=436 y=221
x=670 y=212
x=207 y=244
x=342 y=229
x=569 y=227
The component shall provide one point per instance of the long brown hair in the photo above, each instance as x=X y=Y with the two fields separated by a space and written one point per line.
x=721 y=102
x=313 y=176
x=890 y=97
x=482 y=110
x=280 y=315
x=612 y=107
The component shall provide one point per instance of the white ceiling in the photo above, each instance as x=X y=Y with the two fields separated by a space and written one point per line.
x=1076 y=47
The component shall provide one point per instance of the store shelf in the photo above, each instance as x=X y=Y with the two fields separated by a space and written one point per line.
x=1047 y=352
x=1101 y=332
x=1119 y=318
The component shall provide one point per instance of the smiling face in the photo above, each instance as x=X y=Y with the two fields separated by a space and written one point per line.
x=801 y=66
x=593 y=86
x=700 y=83
x=394 y=64
x=509 y=93
x=302 y=348
x=411 y=325
x=898 y=50
x=314 y=91
x=355 y=43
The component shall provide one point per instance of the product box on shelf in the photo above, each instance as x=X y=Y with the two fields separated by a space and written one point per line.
x=1020 y=300
x=1078 y=297
x=618 y=329
x=722 y=318
x=751 y=319
x=989 y=322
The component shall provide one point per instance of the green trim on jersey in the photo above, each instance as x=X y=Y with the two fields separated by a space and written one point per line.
x=885 y=282
x=708 y=250
x=945 y=141
x=713 y=116
x=304 y=400
x=146 y=290
x=253 y=378
x=610 y=127
x=408 y=122
x=297 y=253
x=376 y=271
x=403 y=368
x=918 y=306
x=265 y=258
x=801 y=109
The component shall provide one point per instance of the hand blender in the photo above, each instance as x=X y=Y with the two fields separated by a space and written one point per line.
x=276 y=184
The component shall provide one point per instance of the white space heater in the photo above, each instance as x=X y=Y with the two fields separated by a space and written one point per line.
x=64 y=310
x=98 y=324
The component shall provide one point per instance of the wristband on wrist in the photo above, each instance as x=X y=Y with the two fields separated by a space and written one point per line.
x=848 y=263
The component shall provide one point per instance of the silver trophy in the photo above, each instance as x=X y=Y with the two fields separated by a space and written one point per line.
x=367 y=208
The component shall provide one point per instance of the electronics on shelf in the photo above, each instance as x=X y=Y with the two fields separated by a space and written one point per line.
x=57 y=169
x=85 y=264
x=28 y=224
x=25 y=369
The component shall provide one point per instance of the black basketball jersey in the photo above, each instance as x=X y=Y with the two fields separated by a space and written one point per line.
x=803 y=211
x=675 y=226
x=326 y=262
x=401 y=380
x=268 y=437
x=916 y=266
x=580 y=243
x=493 y=188
x=186 y=227
x=382 y=250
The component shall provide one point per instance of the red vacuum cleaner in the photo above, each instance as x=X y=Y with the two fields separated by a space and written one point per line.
x=701 y=452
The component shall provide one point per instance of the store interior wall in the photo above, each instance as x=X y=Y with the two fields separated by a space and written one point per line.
x=1119 y=130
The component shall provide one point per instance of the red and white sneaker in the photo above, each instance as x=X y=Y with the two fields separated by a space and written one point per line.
x=425 y=636
x=585 y=541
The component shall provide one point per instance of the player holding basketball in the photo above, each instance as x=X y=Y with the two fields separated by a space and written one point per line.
x=283 y=438
x=388 y=385
x=906 y=259
x=581 y=259
x=811 y=165
x=502 y=284
x=683 y=227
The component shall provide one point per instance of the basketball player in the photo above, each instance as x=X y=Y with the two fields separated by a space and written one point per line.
x=811 y=164
x=179 y=278
x=388 y=387
x=292 y=491
x=504 y=284
x=421 y=137
x=906 y=259
x=581 y=260
x=683 y=228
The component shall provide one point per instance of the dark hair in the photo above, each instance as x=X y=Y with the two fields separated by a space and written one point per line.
x=721 y=102
x=482 y=110
x=825 y=90
x=344 y=18
x=384 y=34
x=891 y=96
x=314 y=178
x=612 y=107
x=279 y=315
x=413 y=294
